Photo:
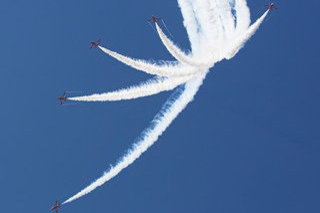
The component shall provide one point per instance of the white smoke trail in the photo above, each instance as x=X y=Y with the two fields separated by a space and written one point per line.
x=165 y=117
x=227 y=19
x=191 y=24
x=148 y=88
x=210 y=24
x=242 y=16
x=178 y=54
x=170 y=111
x=154 y=69
x=213 y=31
x=240 y=42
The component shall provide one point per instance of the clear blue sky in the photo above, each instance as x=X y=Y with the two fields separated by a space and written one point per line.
x=248 y=143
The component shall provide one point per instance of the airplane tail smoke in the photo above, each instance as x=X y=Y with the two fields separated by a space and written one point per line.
x=148 y=88
x=154 y=69
x=191 y=24
x=177 y=53
x=226 y=17
x=208 y=15
x=207 y=33
x=163 y=119
x=240 y=42
x=242 y=16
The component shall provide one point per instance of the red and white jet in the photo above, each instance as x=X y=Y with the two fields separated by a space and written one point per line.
x=95 y=43
x=270 y=6
x=154 y=19
x=62 y=98
x=56 y=207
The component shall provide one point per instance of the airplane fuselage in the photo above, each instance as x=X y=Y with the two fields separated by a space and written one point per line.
x=154 y=19
x=95 y=43
x=62 y=99
x=55 y=207
x=271 y=6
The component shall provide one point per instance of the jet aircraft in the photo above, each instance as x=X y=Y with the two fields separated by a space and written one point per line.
x=270 y=6
x=95 y=43
x=154 y=19
x=62 y=98
x=56 y=207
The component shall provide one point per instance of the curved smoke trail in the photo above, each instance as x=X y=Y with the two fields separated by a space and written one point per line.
x=191 y=24
x=177 y=103
x=242 y=16
x=178 y=54
x=154 y=69
x=240 y=42
x=148 y=88
x=227 y=18
x=163 y=119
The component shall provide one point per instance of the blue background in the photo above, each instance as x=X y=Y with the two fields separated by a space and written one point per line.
x=248 y=143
